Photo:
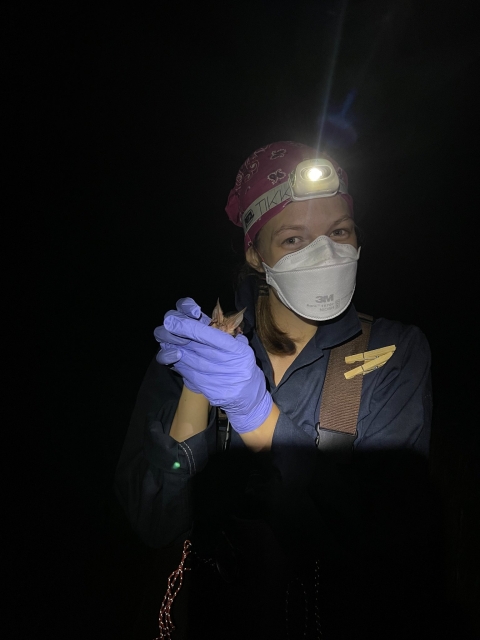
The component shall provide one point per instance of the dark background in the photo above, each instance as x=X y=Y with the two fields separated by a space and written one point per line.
x=129 y=126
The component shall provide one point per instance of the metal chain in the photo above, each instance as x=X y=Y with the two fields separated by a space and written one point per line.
x=318 y=629
x=318 y=625
x=175 y=581
x=305 y=600
x=286 y=611
x=174 y=584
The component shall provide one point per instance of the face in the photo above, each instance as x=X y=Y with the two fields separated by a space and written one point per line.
x=299 y=224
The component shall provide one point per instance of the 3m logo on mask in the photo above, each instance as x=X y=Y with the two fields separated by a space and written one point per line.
x=322 y=299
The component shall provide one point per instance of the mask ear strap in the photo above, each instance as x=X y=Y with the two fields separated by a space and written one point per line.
x=258 y=253
x=261 y=257
x=251 y=245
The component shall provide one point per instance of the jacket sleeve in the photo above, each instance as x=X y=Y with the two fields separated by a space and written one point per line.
x=154 y=472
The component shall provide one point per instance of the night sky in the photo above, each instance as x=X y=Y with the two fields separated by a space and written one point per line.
x=133 y=123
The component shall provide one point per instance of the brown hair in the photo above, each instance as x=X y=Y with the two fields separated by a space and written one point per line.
x=274 y=340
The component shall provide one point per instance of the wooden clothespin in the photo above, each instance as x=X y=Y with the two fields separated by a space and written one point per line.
x=372 y=359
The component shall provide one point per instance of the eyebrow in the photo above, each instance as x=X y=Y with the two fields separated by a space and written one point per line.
x=289 y=227
x=340 y=220
x=301 y=227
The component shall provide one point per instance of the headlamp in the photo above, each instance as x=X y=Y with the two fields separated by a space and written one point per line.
x=315 y=178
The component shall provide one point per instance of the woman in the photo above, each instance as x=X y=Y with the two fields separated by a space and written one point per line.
x=302 y=251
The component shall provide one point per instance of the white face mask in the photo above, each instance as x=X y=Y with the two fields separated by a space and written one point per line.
x=318 y=281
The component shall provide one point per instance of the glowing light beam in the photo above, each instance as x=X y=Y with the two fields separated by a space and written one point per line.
x=331 y=72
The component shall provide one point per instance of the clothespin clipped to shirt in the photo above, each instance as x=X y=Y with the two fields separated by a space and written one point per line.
x=373 y=360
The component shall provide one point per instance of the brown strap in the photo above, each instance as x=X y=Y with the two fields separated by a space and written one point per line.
x=341 y=397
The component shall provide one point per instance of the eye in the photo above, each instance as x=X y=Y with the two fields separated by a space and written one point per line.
x=340 y=234
x=291 y=242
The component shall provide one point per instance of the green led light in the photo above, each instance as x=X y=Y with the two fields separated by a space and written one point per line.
x=176 y=465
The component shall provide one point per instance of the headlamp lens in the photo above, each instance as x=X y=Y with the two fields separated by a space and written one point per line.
x=315 y=178
x=314 y=174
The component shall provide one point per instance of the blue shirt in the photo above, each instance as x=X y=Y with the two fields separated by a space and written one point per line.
x=154 y=472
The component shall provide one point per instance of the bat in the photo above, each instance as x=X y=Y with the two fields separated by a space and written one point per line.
x=231 y=323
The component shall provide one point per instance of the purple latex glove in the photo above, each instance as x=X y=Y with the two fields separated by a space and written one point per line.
x=219 y=366
x=186 y=308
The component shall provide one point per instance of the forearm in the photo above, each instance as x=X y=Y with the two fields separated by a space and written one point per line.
x=191 y=416
x=260 y=439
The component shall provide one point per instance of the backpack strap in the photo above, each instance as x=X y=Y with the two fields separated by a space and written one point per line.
x=337 y=425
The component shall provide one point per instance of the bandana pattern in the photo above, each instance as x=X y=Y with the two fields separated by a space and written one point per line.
x=252 y=163
x=276 y=176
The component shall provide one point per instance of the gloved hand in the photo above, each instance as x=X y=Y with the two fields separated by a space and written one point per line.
x=219 y=366
x=186 y=308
